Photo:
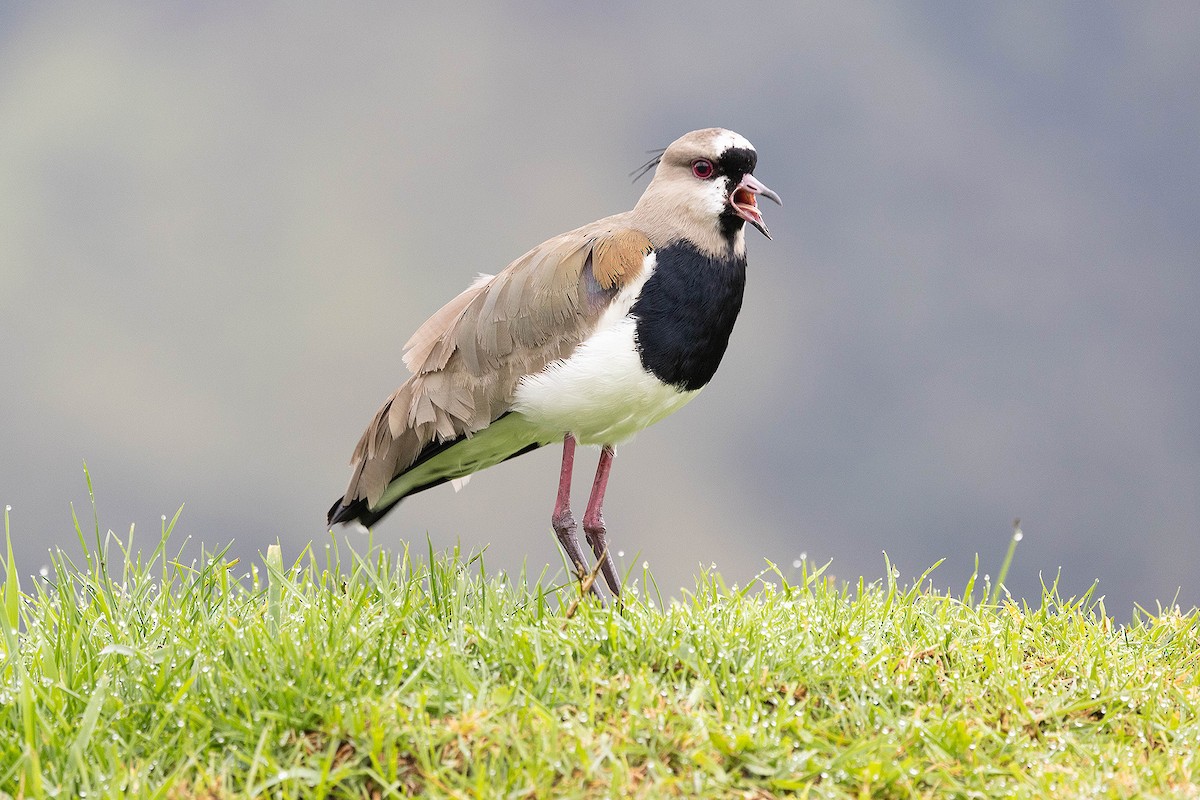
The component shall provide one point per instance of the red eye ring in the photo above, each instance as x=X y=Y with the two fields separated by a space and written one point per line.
x=703 y=169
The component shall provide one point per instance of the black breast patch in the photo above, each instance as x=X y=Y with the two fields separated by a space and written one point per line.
x=685 y=314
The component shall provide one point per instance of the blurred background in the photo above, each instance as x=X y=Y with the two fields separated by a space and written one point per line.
x=220 y=222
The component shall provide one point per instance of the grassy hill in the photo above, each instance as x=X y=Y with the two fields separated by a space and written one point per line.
x=368 y=675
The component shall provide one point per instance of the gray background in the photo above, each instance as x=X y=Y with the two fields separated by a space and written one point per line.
x=220 y=222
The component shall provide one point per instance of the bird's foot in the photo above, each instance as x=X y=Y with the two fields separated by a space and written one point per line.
x=568 y=536
x=596 y=533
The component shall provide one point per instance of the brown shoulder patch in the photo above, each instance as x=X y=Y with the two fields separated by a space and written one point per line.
x=617 y=257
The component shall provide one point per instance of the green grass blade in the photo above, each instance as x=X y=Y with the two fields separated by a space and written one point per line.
x=12 y=587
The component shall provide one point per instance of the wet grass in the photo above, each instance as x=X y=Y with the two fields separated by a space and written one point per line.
x=342 y=674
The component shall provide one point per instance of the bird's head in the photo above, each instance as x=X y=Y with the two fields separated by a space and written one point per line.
x=705 y=184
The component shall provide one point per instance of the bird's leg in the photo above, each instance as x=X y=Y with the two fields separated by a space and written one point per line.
x=593 y=521
x=562 y=520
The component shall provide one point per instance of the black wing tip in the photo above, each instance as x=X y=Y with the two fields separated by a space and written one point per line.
x=341 y=511
x=357 y=511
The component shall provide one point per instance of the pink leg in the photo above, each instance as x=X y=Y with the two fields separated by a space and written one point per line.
x=593 y=521
x=563 y=521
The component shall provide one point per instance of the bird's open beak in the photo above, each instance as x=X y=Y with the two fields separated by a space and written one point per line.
x=745 y=205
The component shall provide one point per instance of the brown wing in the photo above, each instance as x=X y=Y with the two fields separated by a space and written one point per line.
x=468 y=358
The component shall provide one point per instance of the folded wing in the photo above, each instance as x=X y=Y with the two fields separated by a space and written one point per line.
x=469 y=357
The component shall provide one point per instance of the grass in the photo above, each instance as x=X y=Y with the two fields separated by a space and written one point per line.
x=372 y=675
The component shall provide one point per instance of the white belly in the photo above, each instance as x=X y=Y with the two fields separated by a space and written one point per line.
x=601 y=393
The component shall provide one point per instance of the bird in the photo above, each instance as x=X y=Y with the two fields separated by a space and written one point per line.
x=588 y=338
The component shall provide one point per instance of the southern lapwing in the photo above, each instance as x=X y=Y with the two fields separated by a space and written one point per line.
x=589 y=337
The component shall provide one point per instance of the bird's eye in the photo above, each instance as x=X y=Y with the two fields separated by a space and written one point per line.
x=702 y=168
